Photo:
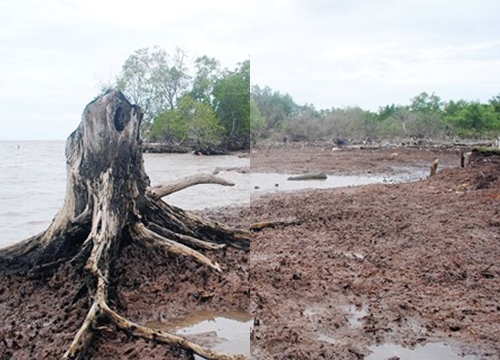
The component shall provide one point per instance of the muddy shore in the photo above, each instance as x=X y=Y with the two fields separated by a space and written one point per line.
x=407 y=264
x=39 y=317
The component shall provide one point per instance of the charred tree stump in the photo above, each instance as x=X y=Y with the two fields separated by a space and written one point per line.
x=108 y=199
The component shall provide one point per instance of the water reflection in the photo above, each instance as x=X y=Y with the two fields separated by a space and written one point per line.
x=271 y=183
x=221 y=331
x=356 y=314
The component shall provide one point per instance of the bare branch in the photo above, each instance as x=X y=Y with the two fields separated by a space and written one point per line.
x=158 y=192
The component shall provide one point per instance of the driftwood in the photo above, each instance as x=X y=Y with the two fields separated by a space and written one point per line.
x=208 y=150
x=158 y=192
x=320 y=176
x=267 y=224
x=486 y=151
x=109 y=203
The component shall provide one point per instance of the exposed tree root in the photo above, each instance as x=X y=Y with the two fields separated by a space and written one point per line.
x=100 y=310
x=153 y=240
x=108 y=199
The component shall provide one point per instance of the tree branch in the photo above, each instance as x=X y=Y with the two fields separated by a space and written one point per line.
x=158 y=192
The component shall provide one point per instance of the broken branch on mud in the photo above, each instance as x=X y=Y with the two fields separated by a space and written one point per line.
x=269 y=224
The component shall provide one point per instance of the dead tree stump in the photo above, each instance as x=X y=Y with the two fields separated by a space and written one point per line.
x=108 y=199
x=434 y=166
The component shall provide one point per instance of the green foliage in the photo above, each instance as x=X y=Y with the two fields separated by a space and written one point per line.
x=209 y=108
x=153 y=79
x=190 y=121
x=472 y=120
x=208 y=71
x=232 y=105
x=257 y=121
x=275 y=107
x=425 y=103
x=427 y=117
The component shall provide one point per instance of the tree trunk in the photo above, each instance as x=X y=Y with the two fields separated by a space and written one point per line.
x=107 y=200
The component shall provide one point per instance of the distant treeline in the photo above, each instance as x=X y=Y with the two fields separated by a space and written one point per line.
x=275 y=116
x=204 y=109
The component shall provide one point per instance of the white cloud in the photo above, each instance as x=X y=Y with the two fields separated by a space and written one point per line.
x=54 y=53
x=327 y=52
x=371 y=53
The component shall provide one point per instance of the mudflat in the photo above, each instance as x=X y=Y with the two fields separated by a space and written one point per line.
x=40 y=317
x=408 y=264
x=364 y=268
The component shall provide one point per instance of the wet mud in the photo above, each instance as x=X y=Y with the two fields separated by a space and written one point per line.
x=366 y=272
x=377 y=271
x=39 y=317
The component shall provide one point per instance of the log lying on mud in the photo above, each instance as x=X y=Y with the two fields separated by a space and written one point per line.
x=320 y=176
x=209 y=150
x=269 y=224
x=109 y=204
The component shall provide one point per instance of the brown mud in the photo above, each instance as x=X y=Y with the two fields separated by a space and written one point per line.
x=39 y=317
x=406 y=264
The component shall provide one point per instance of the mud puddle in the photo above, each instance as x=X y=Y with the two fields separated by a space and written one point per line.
x=221 y=331
x=431 y=351
x=273 y=182
x=356 y=314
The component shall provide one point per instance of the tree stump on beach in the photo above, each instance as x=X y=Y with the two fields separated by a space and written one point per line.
x=434 y=166
x=108 y=202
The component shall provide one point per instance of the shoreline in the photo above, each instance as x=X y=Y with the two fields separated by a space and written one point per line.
x=377 y=264
x=407 y=264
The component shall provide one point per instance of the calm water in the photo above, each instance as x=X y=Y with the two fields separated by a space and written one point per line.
x=33 y=184
x=225 y=331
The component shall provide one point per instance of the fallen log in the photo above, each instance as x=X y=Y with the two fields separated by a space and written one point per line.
x=269 y=224
x=159 y=148
x=320 y=176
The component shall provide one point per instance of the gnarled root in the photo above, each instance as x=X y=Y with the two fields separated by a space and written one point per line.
x=98 y=265
x=154 y=240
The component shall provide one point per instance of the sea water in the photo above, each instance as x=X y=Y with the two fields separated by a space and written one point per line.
x=33 y=184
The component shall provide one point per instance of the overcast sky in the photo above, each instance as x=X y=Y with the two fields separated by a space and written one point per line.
x=369 y=53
